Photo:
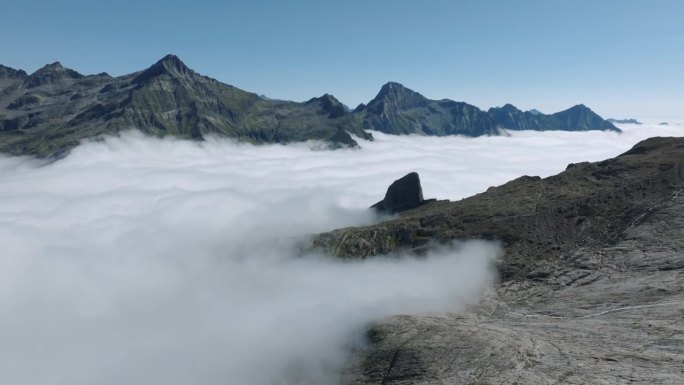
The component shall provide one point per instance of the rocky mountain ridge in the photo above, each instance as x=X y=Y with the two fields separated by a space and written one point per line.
x=624 y=121
x=590 y=287
x=51 y=110
x=54 y=108
x=576 y=118
x=399 y=110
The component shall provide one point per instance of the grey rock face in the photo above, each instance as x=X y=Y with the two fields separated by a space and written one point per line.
x=607 y=315
x=590 y=284
x=403 y=194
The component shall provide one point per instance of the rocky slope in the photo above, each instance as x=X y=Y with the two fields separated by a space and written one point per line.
x=54 y=108
x=591 y=283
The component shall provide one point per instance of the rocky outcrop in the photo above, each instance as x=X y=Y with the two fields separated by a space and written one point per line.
x=610 y=314
x=537 y=219
x=403 y=194
x=590 y=284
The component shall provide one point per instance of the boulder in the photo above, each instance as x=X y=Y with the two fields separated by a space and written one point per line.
x=403 y=194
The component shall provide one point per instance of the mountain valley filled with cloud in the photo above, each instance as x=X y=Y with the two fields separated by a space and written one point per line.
x=142 y=260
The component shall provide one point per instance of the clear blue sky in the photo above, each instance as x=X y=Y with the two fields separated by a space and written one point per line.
x=623 y=58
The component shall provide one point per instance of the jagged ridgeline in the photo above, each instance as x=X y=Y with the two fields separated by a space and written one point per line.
x=399 y=110
x=54 y=108
x=51 y=110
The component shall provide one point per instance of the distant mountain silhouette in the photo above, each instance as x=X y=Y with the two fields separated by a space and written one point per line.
x=399 y=110
x=577 y=118
x=624 y=121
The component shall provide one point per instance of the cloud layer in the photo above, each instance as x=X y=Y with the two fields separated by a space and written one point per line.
x=139 y=260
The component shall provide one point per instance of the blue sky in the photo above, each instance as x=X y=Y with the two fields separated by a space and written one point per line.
x=623 y=58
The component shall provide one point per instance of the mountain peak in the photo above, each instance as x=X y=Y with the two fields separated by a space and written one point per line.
x=580 y=107
x=330 y=98
x=393 y=88
x=325 y=98
x=173 y=61
x=333 y=107
x=582 y=116
x=392 y=84
x=510 y=107
x=51 y=74
x=399 y=96
x=52 y=68
x=169 y=64
x=507 y=108
x=9 y=72
x=55 y=65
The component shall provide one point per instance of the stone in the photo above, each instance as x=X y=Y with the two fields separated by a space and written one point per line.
x=403 y=194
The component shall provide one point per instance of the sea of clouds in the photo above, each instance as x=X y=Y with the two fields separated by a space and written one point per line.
x=147 y=261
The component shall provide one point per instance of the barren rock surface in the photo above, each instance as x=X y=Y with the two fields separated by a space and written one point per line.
x=592 y=281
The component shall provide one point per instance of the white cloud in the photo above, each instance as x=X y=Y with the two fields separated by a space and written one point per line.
x=141 y=261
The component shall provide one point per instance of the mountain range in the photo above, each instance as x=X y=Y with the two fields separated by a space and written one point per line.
x=48 y=112
x=577 y=118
